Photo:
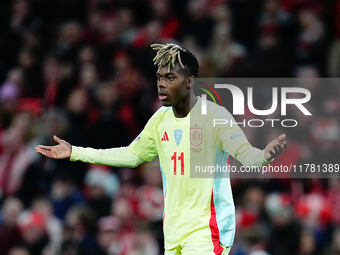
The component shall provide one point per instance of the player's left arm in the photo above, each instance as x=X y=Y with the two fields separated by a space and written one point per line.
x=249 y=155
x=235 y=142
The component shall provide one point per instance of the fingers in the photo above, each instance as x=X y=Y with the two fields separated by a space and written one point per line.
x=273 y=151
x=40 y=150
x=57 y=139
x=281 y=138
x=44 y=151
x=45 y=147
x=277 y=148
x=59 y=151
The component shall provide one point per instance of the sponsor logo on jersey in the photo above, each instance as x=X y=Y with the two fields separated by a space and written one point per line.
x=165 y=137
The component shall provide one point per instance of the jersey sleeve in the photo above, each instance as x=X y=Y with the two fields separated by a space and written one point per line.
x=118 y=157
x=232 y=139
x=144 y=146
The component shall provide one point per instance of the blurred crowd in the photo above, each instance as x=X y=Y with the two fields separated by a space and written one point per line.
x=83 y=70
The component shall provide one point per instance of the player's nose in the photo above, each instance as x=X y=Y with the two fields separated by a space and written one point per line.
x=161 y=83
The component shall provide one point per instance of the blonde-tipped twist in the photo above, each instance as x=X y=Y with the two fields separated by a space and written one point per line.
x=167 y=55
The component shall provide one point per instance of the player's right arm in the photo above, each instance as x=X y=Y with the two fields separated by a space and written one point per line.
x=118 y=157
x=143 y=148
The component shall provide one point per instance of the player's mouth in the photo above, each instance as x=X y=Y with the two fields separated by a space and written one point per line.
x=162 y=96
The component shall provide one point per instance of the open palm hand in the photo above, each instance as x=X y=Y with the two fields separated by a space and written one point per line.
x=275 y=147
x=60 y=151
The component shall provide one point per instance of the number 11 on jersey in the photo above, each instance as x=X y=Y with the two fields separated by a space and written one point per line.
x=181 y=158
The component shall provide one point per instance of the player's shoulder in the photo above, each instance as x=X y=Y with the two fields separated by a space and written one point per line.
x=218 y=111
x=160 y=114
x=163 y=110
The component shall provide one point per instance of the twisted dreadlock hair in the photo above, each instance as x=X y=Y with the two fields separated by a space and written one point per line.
x=169 y=54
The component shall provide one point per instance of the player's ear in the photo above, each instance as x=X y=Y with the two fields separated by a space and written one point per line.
x=190 y=82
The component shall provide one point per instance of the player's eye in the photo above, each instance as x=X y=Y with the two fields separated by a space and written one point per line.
x=170 y=78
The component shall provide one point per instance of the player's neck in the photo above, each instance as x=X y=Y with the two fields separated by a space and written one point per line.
x=182 y=109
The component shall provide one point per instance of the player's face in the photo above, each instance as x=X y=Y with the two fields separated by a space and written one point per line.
x=172 y=85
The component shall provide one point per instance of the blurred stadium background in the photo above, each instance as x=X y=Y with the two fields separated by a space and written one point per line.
x=83 y=70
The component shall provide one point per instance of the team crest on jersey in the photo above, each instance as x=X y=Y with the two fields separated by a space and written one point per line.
x=178 y=136
x=196 y=136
